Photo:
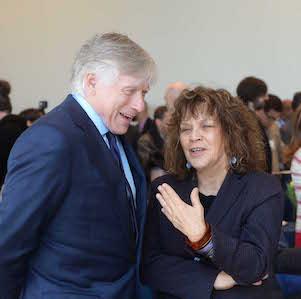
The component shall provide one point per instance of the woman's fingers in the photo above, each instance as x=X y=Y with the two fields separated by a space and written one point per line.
x=164 y=204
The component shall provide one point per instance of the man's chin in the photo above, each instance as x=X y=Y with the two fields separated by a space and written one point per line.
x=120 y=130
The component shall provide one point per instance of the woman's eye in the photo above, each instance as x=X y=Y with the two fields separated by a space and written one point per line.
x=184 y=130
x=208 y=126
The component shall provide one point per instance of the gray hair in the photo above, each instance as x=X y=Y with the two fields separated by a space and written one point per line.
x=111 y=54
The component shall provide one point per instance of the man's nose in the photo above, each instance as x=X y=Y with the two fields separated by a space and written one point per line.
x=139 y=103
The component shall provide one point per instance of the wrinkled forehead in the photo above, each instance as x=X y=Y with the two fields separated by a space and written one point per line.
x=133 y=82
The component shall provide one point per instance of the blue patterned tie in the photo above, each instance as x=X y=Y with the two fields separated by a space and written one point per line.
x=116 y=155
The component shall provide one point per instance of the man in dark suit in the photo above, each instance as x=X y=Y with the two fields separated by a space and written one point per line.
x=73 y=205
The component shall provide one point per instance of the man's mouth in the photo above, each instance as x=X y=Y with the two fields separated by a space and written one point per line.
x=127 y=116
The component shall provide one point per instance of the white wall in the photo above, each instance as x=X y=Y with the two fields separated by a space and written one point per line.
x=198 y=41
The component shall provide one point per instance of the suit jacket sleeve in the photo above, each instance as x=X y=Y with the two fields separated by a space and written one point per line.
x=173 y=275
x=248 y=258
x=38 y=171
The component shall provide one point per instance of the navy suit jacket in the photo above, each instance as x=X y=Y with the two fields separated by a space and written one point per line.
x=245 y=218
x=64 y=215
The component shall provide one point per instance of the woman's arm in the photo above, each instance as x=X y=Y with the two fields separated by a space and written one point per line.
x=180 y=277
x=248 y=258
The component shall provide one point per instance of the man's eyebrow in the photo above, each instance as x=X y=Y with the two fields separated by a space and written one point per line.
x=129 y=87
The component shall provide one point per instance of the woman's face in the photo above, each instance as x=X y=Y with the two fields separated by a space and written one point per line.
x=202 y=142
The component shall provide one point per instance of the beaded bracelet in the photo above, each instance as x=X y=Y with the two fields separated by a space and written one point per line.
x=203 y=241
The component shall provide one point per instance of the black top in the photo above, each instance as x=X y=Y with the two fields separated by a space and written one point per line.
x=206 y=201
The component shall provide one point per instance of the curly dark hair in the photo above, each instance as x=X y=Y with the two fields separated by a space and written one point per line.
x=240 y=129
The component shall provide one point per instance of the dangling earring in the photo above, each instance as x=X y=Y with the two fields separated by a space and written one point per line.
x=188 y=165
x=233 y=162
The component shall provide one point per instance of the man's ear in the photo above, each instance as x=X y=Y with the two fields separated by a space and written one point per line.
x=90 y=84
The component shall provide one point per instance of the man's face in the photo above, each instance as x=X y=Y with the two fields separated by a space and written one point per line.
x=118 y=102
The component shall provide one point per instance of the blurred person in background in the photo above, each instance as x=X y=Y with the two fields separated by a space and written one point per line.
x=31 y=115
x=172 y=92
x=253 y=92
x=151 y=145
x=5 y=103
x=285 y=121
x=11 y=127
x=269 y=116
x=143 y=123
x=296 y=100
x=293 y=160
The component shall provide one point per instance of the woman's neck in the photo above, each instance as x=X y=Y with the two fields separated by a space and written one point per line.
x=209 y=182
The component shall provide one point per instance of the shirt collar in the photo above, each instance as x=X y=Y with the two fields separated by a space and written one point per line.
x=96 y=119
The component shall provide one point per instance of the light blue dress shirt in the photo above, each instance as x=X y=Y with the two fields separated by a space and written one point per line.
x=101 y=127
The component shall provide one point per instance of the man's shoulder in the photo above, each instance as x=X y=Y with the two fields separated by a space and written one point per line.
x=59 y=118
x=56 y=126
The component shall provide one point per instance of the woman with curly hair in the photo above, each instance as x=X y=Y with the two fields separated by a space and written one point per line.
x=214 y=221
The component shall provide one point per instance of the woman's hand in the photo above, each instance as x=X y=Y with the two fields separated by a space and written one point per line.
x=186 y=218
x=224 y=281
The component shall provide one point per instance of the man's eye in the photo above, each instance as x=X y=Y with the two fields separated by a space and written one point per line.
x=129 y=91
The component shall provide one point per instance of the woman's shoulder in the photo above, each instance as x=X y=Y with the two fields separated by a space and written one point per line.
x=173 y=181
x=263 y=183
x=169 y=179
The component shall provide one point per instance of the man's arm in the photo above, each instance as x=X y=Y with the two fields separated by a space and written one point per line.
x=38 y=171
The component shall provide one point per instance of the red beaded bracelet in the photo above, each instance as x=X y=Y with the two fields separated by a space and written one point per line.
x=203 y=241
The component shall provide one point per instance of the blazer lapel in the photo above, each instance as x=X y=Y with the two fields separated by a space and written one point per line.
x=226 y=197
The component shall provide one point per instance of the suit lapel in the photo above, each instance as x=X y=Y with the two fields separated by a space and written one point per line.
x=226 y=197
x=101 y=156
